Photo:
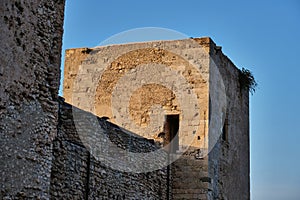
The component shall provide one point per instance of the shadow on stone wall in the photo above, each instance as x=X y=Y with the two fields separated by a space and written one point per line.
x=76 y=174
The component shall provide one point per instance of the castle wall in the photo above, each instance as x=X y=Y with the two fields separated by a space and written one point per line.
x=229 y=158
x=91 y=83
x=30 y=44
x=136 y=85
x=32 y=165
x=77 y=174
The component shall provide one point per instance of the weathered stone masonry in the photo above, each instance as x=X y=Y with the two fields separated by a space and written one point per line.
x=91 y=80
x=193 y=176
x=78 y=175
x=229 y=161
x=30 y=45
x=41 y=154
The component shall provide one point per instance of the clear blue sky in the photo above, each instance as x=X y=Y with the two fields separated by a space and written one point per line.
x=262 y=36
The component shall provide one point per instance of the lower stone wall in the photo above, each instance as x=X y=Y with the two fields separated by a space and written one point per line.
x=69 y=171
x=190 y=179
x=76 y=174
x=106 y=183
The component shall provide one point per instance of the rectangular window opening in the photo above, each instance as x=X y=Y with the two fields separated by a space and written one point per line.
x=171 y=128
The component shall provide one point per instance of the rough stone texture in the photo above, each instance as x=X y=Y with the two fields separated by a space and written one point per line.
x=160 y=78
x=189 y=178
x=56 y=152
x=95 y=79
x=229 y=160
x=30 y=44
x=78 y=175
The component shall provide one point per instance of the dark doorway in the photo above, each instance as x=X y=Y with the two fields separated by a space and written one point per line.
x=171 y=128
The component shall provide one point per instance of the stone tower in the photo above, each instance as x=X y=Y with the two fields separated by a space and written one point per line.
x=183 y=94
x=182 y=97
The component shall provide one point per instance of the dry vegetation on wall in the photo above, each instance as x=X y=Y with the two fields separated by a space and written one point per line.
x=247 y=80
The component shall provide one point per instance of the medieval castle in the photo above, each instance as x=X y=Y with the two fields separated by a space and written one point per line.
x=152 y=120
